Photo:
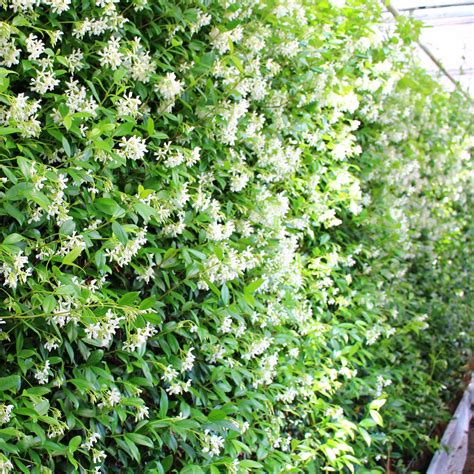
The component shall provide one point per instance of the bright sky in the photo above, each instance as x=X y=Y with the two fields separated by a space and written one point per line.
x=448 y=34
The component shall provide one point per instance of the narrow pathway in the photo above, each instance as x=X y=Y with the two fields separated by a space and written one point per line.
x=456 y=454
x=469 y=466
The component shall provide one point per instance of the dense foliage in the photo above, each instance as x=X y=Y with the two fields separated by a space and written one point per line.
x=236 y=237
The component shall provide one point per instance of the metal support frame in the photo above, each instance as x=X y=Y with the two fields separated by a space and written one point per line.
x=425 y=49
x=446 y=5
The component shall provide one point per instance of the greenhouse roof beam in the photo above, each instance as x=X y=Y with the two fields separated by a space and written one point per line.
x=395 y=13
x=404 y=5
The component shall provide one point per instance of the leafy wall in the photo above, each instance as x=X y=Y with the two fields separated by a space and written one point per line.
x=236 y=237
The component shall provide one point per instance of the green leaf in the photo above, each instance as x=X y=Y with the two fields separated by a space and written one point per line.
x=253 y=286
x=128 y=299
x=8 y=173
x=150 y=126
x=9 y=432
x=124 y=129
x=366 y=436
x=95 y=357
x=119 y=74
x=67 y=120
x=12 y=382
x=192 y=469
x=93 y=90
x=8 y=130
x=20 y=20
x=72 y=256
x=130 y=446
x=82 y=384
x=48 y=304
x=140 y=439
x=225 y=294
x=39 y=198
x=377 y=404
x=163 y=403
x=376 y=417
x=120 y=233
x=216 y=415
x=109 y=206
x=68 y=227
x=34 y=391
x=145 y=211
x=148 y=303
x=237 y=63
x=247 y=463
x=14 y=212
x=66 y=146
x=13 y=239
x=42 y=407
x=72 y=460
x=367 y=423
x=74 y=443
x=25 y=166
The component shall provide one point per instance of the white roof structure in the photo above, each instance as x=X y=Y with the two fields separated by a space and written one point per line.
x=448 y=34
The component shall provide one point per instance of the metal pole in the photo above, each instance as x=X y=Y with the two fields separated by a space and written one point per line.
x=395 y=14
x=429 y=7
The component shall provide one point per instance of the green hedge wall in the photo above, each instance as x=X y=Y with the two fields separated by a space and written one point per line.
x=236 y=237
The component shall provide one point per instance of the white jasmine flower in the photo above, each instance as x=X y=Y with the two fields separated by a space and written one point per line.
x=112 y=397
x=42 y=375
x=14 y=272
x=123 y=254
x=178 y=387
x=77 y=99
x=5 y=465
x=23 y=115
x=90 y=441
x=43 y=82
x=58 y=6
x=169 y=374
x=226 y=325
x=139 y=339
x=70 y=243
x=147 y=274
x=98 y=456
x=142 y=413
x=188 y=362
x=193 y=157
x=111 y=55
x=51 y=344
x=104 y=330
x=34 y=46
x=169 y=87
x=75 y=60
x=5 y=413
x=294 y=352
x=212 y=444
x=56 y=36
x=128 y=105
x=133 y=148
x=10 y=54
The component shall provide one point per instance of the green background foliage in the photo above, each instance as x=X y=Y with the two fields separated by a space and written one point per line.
x=236 y=237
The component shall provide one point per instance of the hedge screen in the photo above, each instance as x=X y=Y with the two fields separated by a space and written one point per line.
x=236 y=237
